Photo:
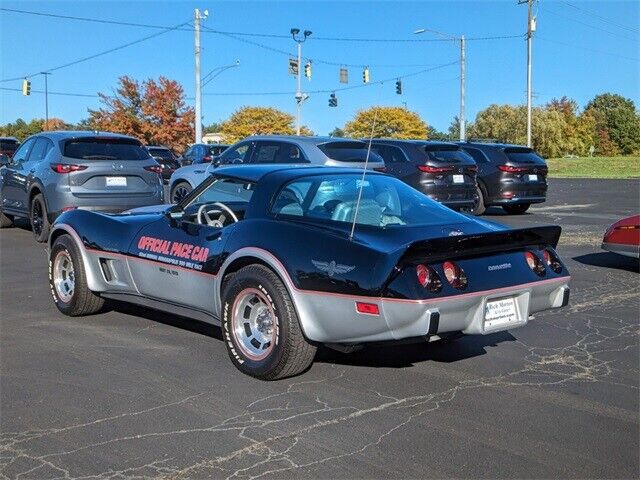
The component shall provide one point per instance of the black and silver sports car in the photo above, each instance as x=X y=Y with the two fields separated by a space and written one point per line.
x=273 y=255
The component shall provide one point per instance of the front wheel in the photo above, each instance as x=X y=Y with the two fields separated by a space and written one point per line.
x=517 y=209
x=68 y=280
x=260 y=326
x=479 y=208
x=39 y=219
x=179 y=191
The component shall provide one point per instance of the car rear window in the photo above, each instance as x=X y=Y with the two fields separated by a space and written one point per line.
x=447 y=153
x=9 y=145
x=163 y=153
x=348 y=152
x=105 y=148
x=522 y=155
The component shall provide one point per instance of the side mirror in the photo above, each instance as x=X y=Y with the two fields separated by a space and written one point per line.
x=216 y=161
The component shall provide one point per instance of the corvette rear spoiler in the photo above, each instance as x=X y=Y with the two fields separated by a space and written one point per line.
x=481 y=244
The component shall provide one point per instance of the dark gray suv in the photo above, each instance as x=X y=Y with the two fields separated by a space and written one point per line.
x=57 y=171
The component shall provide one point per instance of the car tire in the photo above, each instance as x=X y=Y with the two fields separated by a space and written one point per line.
x=260 y=326
x=6 y=221
x=39 y=218
x=68 y=280
x=517 y=209
x=479 y=207
x=179 y=191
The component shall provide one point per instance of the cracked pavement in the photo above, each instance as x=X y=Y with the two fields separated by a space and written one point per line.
x=133 y=393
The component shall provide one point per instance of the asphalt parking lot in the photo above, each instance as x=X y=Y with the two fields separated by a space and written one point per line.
x=133 y=393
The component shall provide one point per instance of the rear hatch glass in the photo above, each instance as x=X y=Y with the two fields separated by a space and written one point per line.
x=523 y=155
x=447 y=154
x=105 y=148
x=349 y=152
x=8 y=146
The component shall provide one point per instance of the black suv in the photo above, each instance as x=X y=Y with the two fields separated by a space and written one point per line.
x=201 y=153
x=510 y=176
x=165 y=158
x=440 y=170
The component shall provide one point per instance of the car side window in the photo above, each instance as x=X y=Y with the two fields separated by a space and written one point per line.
x=40 y=149
x=236 y=155
x=477 y=155
x=395 y=155
x=187 y=154
x=290 y=153
x=23 y=151
x=266 y=152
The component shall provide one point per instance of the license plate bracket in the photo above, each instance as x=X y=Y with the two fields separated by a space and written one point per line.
x=500 y=312
x=533 y=177
x=458 y=179
x=116 y=181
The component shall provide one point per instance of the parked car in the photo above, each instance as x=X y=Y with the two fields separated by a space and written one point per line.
x=623 y=237
x=440 y=170
x=278 y=149
x=510 y=176
x=53 y=172
x=201 y=153
x=166 y=159
x=272 y=255
x=8 y=146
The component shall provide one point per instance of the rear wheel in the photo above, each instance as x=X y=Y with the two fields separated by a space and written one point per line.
x=39 y=219
x=517 y=209
x=179 y=191
x=68 y=280
x=6 y=221
x=479 y=207
x=260 y=326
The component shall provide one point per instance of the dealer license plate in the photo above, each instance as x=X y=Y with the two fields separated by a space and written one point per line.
x=116 y=181
x=458 y=179
x=533 y=178
x=500 y=312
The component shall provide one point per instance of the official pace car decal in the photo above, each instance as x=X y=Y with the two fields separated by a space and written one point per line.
x=332 y=268
x=176 y=253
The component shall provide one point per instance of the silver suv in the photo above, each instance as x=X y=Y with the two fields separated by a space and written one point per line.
x=57 y=171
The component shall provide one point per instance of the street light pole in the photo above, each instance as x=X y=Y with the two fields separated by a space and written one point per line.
x=198 y=113
x=529 y=37
x=46 y=99
x=300 y=97
x=463 y=60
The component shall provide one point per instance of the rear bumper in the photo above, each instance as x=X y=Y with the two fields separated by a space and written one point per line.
x=516 y=200
x=332 y=318
x=622 y=249
x=511 y=192
x=464 y=196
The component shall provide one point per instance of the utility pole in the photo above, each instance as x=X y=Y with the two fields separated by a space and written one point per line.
x=198 y=119
x=46 y=98
x=462 y=92
x=531 y=27
x=300 y=97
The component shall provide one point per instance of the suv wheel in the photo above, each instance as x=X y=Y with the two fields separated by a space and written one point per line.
x=517 y=209
x=479 y=207
x=179 y=191
x=39 y=219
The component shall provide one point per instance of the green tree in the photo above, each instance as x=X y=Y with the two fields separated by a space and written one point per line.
x=259 y=121
x=435 y=134
x=390 y=122
x=213 y=128
x=337 y=133
x=21 y=129
x=617 y=116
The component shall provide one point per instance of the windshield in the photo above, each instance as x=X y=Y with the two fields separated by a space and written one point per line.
x=163 y=153
x=226 y=190
x=104 y=148
x=349 y=152
x=385 y=201
x=448 y=155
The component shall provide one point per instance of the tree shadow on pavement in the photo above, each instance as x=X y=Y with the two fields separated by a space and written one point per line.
x=610 y=260
x=402 y=356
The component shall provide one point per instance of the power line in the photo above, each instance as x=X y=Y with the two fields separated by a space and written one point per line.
x=602 y=52
x=105 y=52
x=590 y=13
x=340 y=89
x=595 y=27
x=66 y=94
x=410 y=40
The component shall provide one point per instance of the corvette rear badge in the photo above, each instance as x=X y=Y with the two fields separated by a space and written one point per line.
x=332 y=268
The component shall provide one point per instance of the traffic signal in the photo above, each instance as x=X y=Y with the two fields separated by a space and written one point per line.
x=26 y=87
x=307 y=70
x=399 y=87
x=333 y=100
x=365 y=75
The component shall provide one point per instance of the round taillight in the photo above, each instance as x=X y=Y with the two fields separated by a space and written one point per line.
x=551 y=260
x=454 y=275
x=534 y=263
x=428 y=278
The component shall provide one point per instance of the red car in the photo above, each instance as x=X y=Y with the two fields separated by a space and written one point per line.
x=623 y=237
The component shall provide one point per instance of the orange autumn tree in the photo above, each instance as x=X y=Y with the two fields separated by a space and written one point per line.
x=154 y=112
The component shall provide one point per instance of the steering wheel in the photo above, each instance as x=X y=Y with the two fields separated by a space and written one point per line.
x=205 y=212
